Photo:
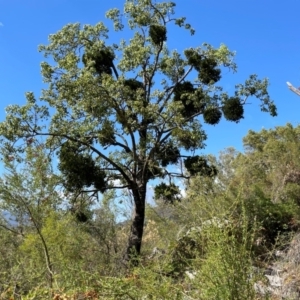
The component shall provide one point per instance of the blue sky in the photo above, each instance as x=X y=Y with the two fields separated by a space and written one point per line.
x=264 y=33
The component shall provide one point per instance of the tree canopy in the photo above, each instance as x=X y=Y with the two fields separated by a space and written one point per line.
x=120 y=115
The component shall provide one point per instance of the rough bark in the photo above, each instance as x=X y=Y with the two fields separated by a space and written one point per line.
x=137 y=226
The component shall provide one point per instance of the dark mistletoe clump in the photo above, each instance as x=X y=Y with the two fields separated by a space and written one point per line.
x=102 y=60
x=212 y=115
x=233 y=109
x=158 y=34
x=79 y=169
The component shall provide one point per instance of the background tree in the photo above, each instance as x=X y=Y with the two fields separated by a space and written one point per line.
x=271 y=157
x=262 y=182
x=29 y=193
x=48 y=240
x=122 y=115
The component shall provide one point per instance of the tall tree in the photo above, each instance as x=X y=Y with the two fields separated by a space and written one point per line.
x=271 y=163
x=121 y=115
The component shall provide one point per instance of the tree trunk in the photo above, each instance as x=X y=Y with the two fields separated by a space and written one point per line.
x=137 y=226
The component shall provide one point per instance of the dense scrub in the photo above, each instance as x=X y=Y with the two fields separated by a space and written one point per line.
x=215 y=243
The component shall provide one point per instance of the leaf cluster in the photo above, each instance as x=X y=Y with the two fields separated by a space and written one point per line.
x=167 y=192
x=233 y=110
x=212 y=115
x=192 y=99
x=199 y=165
x=168 y=154
x=134 y=85
x=208 y=73
x=79 y=169
x=101 y=61
x=106 y=135
x=275 y=219
x=158 y=34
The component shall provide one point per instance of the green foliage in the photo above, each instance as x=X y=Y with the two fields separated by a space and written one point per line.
x=80 y=169
x=214 y=233
x=168 y=154
x=106 y=135
x=214 y=242
x=209 y=73
x=184 y=252
x=181 y=89
x=212 y=115
x=226 y=270
x=194 y=58
x=275 y=219
x=185 y=92
x=101 y=61
x=271 y=159
x=269 y=175
x=106 y=126
x=233 y=110
x=169 y=193
x=158 y=34
x=134 y=84
x=258 y=88
x=198 y=165
x=206 y=66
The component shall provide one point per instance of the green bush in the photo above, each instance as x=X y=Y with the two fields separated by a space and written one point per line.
x=274 y=219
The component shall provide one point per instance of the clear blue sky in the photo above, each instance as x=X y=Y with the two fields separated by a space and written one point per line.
x=264 y=33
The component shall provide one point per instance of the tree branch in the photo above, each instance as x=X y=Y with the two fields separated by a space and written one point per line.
x=45 y=247
x=115 y=70
x=161 y=15
x=172 y=89
x=11 y=230
x=125 y=176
